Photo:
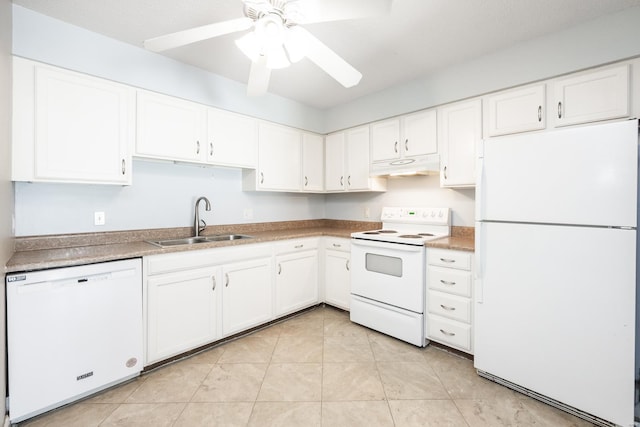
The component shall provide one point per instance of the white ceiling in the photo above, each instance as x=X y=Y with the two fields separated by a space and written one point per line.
x=417 y=38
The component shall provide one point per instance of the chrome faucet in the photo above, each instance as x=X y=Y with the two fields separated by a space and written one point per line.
x=196 y=222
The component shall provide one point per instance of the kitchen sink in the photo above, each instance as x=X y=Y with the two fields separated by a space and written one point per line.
x=199 y=239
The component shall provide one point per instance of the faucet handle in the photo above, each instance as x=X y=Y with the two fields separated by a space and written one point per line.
x=201 y=228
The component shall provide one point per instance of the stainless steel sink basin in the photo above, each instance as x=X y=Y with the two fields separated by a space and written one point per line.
x=199 y=239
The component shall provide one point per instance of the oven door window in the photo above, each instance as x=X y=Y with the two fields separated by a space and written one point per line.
x=383 y=264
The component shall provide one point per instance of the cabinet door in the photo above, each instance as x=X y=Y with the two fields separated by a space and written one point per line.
x=337 y=285
x=83 y=128
x=296 y=281
x=312 y=162
x=181 y=311
x=591 y=97
x=246 y=295
x=516 y=111
x=232 y=139
x=385 y=140
x=459 y=131
x=420 y=134
x=357 y=142
x=334 y=162
x=170 y=128
x=279 y=158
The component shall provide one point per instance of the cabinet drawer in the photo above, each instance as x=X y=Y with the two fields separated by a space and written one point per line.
x=337 y=244
x=448 y=258
x=456 y=282
x=451 y=306
x=297 y=245
x=449 y=332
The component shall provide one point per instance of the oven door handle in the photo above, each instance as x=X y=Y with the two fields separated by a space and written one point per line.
x=385 y=245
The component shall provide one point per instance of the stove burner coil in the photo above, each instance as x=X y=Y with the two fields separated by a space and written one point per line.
x=410 y=236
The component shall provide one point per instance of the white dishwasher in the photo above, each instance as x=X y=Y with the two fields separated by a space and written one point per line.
x=71 y=332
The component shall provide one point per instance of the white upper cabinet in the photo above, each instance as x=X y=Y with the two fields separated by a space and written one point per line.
x=515 y=111
x=312 y=162
x=232 y=139
x=459 y=130
x=347 y=162
x=358 y=159
x=334 y=162
x=385 y=140
x=407 y=136
x=279 y=156
x=591 y=96
x=420 y=136
x=70 y=127
x=170 y=128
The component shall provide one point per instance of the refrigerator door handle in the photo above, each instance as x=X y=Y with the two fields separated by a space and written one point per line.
x=479 y=189
x=478 y=279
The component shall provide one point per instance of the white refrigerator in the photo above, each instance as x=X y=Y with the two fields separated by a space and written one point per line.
x=555 y=312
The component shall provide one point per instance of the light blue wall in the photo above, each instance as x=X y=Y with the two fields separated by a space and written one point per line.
x=39 y=37
x=404 y=191
x=607 y=39
x=6 y=187
x=163 y=194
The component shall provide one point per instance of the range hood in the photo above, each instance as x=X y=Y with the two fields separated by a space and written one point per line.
x=428 y=164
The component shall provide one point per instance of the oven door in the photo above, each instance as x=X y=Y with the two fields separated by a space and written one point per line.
x=389 y=273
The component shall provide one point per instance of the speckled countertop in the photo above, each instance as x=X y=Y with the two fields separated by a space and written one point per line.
x=461 y=239
x=40 y=252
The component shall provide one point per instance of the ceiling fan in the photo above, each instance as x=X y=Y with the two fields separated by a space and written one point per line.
x=277 y=39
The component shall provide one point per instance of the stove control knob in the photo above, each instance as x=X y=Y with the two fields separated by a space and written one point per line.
x=425 y=214
x=441 y=214
x=433 y=214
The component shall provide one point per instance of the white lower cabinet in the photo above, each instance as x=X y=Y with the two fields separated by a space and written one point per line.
x=337 y=275
x=182 y=311
x=296 y=283
x=246 y=295
x=193 y=298
x=449 y=317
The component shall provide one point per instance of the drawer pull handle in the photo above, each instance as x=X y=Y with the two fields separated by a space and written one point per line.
x=298 y=246
x=197 y=147
x=347 y=265
x=335 y=245
x=444 y=307
x=446 y=282
x=449 y=334
x=559 y=110
x=213 y=279
x=279 y=268
x=447 y=260
x=539 y=113
x=226 y=280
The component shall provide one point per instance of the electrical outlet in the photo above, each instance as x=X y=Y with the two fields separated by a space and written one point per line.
x=367 y=212
x=99 y=218
x=248 y=213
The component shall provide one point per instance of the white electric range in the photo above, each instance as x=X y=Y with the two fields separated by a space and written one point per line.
x=388 y=271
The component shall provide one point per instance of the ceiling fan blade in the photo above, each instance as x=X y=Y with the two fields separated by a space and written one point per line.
x=258 y=77
x=192 y=35
x=327 y=59
x=311 y=11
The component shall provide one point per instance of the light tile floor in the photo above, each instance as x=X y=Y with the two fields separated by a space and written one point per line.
x=316 y=369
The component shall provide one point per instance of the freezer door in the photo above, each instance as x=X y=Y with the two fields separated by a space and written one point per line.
x=585 y=175
x=555 y=313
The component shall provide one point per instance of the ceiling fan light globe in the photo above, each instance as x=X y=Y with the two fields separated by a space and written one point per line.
x=294 y=45
x=277 y=58
x=248 y=44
